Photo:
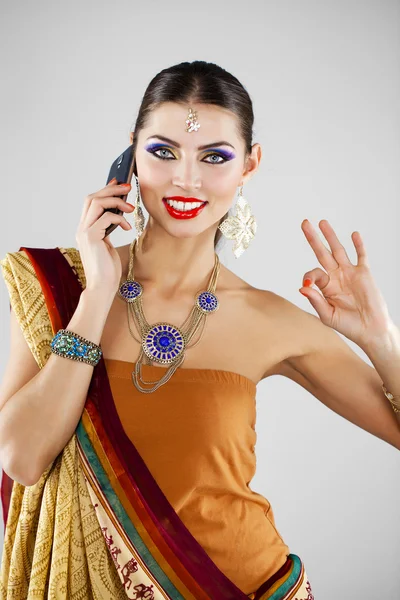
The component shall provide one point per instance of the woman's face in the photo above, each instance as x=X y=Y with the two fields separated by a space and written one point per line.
x=179 y=167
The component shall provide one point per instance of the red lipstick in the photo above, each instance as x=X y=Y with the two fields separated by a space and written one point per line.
x=183 y=214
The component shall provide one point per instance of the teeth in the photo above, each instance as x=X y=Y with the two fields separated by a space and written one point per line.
x=179 y=205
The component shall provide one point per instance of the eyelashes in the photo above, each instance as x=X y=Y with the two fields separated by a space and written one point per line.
x=224 y=159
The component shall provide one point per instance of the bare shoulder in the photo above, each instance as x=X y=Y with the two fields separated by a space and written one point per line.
x=301 y=333
x=280 y=330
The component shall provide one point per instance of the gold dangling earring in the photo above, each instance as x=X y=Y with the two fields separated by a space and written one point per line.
x=138 y=215
x=241 y=227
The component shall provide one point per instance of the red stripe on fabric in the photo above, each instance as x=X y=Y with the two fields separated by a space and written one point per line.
x=282 y=572
x=47 y=290
x=6 y=490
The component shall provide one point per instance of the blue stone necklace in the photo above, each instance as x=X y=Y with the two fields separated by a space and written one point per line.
x=164 y=343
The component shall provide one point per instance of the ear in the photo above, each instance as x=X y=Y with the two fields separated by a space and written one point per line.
x=252 y=163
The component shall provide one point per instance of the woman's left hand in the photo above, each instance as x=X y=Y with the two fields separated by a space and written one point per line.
x=351 y=302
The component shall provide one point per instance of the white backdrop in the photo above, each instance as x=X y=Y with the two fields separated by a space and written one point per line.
x=325 y=81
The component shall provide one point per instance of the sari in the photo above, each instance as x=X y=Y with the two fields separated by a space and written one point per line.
x=96 y=524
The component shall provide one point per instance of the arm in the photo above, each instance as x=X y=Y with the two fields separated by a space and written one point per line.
x=326 y=366
x=385 y=356
x=39 y=412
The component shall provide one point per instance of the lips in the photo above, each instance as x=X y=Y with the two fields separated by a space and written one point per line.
x=184 y=214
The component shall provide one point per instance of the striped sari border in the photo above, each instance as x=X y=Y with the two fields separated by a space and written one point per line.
x=98 y=477
x=284 y=584
x=136 y=508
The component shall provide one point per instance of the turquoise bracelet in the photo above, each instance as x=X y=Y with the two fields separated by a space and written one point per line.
x=71 y=345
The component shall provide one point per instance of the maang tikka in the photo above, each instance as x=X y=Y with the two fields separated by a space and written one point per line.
x=192 y=123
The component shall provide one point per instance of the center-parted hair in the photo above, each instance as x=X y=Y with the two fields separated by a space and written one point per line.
x=199 y=82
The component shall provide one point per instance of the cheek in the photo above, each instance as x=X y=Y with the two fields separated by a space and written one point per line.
x=152 y=181
x=224 y=183
x=223 y=189
x=223 y=192
x=149 y=173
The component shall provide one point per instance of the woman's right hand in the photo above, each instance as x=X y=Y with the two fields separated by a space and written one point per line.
x=100 y=259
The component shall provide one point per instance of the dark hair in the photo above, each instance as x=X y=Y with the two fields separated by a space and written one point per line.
x=198 y=82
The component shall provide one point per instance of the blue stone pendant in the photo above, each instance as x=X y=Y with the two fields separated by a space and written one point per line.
x=163 y=343
x=207 y=302
x=129 y=290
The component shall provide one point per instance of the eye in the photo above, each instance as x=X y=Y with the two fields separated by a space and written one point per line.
x=213 y=162
x=161 y=150
x=218 y=156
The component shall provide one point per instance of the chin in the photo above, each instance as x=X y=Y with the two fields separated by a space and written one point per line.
x=184 y=230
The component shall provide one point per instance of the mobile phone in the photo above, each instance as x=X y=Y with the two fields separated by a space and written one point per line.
x=122 y=169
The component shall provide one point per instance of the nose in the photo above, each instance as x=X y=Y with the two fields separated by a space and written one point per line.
x=186 y=176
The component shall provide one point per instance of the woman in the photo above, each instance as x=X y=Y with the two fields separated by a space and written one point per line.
x=131 y=479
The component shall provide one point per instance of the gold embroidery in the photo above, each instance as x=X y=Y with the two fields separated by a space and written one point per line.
x=27 y=300
x=53 y=544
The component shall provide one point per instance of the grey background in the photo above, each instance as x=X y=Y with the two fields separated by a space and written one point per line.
x=325 y=81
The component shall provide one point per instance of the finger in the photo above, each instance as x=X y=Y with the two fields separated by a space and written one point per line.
x=321 y=306
x=322 y=253
x=316 y=276
x=89 y=198
x=102 y=226
x=110 y=190
x=97 y=230
x=98 y=205
x=362 y=258
x=338 y=250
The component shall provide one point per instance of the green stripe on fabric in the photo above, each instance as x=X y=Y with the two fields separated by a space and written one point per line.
x=122 y=516
x=291 y=580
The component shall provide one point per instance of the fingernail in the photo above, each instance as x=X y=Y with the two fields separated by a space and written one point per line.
x=112 y=180
x=125 y=185
x=307 y=282
x=129 y=204
x=303 y=293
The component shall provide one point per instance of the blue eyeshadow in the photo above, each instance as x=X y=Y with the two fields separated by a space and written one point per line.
x=154 y=146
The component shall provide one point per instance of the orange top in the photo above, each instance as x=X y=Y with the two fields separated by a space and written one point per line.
x=196 y=435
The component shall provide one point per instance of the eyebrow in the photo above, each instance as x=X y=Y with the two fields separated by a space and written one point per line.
x=172 y=143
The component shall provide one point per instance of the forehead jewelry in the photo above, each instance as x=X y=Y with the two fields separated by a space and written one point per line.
x=192 y=123
x=162 y=342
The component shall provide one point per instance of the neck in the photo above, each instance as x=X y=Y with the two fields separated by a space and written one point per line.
x=173 y=266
